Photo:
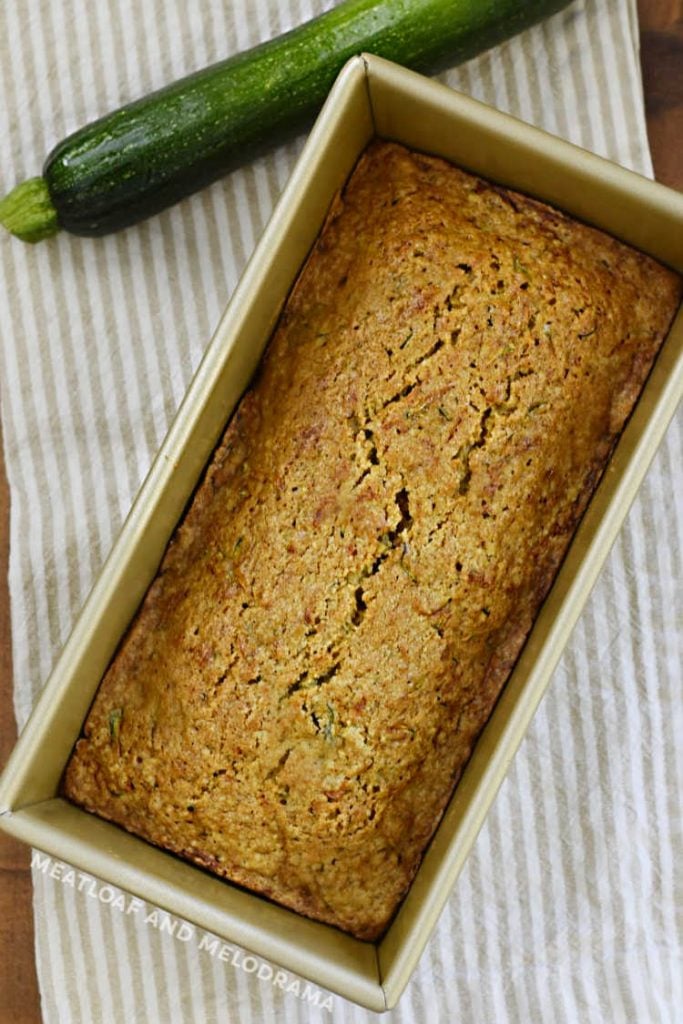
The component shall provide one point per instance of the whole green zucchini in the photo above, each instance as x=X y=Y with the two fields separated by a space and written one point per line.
x=150 y=153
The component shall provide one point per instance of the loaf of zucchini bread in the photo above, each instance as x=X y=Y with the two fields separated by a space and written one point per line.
x=353 y=581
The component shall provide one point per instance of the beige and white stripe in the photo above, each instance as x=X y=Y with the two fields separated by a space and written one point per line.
x=566 y=910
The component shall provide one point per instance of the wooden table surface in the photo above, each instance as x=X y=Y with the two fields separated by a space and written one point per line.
x=661 y=24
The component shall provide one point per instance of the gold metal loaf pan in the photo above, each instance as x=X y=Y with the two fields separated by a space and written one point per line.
x=370 y=97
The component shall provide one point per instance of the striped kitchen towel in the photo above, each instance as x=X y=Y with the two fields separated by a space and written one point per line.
x=566 y=910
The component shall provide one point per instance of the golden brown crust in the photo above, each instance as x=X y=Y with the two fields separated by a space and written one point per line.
x=338 y=612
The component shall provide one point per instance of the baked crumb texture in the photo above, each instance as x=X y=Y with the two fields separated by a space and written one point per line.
x=348 y=592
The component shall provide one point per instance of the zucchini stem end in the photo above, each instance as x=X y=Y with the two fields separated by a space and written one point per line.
x=27 y=211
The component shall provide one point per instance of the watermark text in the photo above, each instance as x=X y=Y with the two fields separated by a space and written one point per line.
x=183 y=931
